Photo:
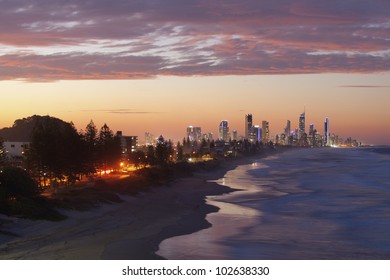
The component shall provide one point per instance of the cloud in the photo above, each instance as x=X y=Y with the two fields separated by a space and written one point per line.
x=123 y=111
x=132 y=112
x=101 y=39
x=364 y=86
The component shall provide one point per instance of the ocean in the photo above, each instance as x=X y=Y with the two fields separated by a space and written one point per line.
x=302 y=204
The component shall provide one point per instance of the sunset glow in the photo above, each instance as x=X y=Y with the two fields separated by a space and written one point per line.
x=160 y=66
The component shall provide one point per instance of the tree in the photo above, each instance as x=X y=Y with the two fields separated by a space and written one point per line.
x=3 y=157
x=16 y=182
x=162 y=151
x=91 y=140
x=109 y=148
x=180 y=151
x=91 y=134
x=150 y=155
x=188 y=144
x=137 y=158
x=56 y=150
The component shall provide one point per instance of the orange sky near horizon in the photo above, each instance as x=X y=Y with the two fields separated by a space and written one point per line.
x=357 y=104
x=160 y=66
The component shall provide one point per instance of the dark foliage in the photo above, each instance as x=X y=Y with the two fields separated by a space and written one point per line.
x=21 y=130
x=56 y=149
x=19 y=196
x=15 y=182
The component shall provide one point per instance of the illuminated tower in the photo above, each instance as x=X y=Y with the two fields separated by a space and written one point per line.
x=257 y=133
x=302 y=125
x=311 y=135
x=248 y=125
x=327 y=132
x=287 y=132
x=149 y=139
x=224 y=131
x=194 y=133
x=265 y=132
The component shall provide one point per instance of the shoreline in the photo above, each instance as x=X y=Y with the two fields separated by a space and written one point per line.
x=131 y=229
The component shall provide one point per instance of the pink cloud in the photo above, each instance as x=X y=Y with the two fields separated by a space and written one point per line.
x=53 y=40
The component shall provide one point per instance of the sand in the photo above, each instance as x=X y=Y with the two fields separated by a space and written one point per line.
x=128 y=230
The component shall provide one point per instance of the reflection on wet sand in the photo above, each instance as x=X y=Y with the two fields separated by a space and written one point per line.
x=305 y=204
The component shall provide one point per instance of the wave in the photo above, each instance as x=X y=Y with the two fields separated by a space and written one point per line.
x=302 y=204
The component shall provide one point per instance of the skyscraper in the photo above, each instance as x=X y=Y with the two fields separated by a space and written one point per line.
x=265 y=132
x=149 y=139
x=311 y=135
x=248 y=125
x=256 y=133
x=327 y=132
x=302 y=125
x=194 y=133
x=224 y=131
x=311 y=129
x=287 y=132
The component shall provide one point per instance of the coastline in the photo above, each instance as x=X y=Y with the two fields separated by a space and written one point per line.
x=293 y=206
x=132 y=229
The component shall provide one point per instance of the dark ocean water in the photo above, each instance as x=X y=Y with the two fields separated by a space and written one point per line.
x=303 y=204
x=380 y=150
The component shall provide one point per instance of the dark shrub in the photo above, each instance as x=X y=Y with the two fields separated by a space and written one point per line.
x=15 y=182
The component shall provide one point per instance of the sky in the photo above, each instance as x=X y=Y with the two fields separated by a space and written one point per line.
x=160 y=66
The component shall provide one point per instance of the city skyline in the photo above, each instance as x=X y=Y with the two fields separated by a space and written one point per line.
x=158 y=123
x=160 y=66
x=297 y=136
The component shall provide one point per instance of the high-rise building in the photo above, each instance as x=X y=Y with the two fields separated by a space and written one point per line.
x=287 y=132
x=327 y=132
x=150 y=140
x=128 y=143
x=265 y=132
x=208 y=136
x=194 y=133
x=256 y=133
x=248 y=125
x=224 y=131
x=311 y=129
x=311 y=139
x=302 y=125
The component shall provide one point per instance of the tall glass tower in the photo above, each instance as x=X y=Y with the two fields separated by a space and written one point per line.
x=224 y=131
x=248 y=125
x=287 y=130
x=265 y=132
x=194 y=133
x=302 y=125
x=327 y=132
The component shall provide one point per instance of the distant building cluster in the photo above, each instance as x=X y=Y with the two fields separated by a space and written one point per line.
x=298 y=137
x=196 y=139
x=289 y=137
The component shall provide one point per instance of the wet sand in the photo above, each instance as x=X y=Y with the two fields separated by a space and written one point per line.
x=320 y=204
x=131 y=229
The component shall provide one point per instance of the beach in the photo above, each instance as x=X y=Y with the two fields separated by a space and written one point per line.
x=300 y=204
x=305 y=204
x=131 y=229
